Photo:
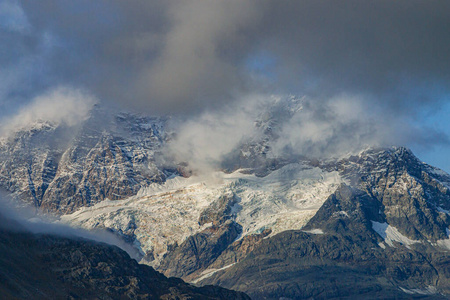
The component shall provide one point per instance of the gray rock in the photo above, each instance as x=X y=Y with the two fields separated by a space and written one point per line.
x=199 y=250
x=219 y=210
x=344 y=262
x=409 y=191
x=59 y=169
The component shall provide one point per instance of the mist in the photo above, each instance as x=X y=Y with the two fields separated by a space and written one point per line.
x=203 y=141
x=290 y=127
x=26 y=219
x=196 y=59
x=61 y=106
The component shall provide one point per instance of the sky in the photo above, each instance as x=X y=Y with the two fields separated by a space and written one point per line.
x=375 y=72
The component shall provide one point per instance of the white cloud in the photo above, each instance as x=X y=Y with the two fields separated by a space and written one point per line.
x=203 y=141
x=298 y=126
x=61 y=106
x=330 y=128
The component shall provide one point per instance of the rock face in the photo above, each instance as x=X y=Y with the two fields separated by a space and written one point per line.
x=60 y=169
x=200 y=250
x=219 y=210
x=51 y=267
x=164 y=216
x=413 y=196
x=338 y=256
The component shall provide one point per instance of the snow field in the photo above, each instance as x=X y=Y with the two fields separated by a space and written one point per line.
x=161 y=216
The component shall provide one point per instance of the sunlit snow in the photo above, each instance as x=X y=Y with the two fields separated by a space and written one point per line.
x=165 y=215
x=390 y=234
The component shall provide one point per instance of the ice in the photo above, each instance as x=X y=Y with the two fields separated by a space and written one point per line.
x=161 y=216
x=314 y=231
x=429 y=290
x=390 y=234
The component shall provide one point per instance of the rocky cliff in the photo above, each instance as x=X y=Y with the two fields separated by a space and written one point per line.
x=59 y=169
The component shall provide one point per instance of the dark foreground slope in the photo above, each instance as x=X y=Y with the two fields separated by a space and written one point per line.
x=52 y=267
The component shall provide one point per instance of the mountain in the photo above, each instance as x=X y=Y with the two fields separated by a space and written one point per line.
x=59 y=168
x=371 y=225
x=341 y=254
x=379 y=219
x=47 y=266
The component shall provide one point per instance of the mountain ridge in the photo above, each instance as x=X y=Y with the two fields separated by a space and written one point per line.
x=46 y=266
x=114 y=175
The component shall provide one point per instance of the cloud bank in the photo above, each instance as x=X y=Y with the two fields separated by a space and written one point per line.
x=25 y=219
x=185 y=55
x=62 y=106
x=197 y=58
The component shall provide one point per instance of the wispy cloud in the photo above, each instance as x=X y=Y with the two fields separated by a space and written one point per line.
x=204 y=140
x=25 y=219
x=62 y=106
x=12 y=16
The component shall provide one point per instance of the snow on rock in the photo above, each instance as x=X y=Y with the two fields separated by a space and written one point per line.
x=440 y=175
x=285 y=199
x=156 y=221
x=445 y=243
x=390 y=234
x=209 y=272
x=429 y=290
x=161 y=216
x=314 y=231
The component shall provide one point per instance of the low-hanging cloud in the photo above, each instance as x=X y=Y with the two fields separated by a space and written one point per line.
x=26 y=219
x=205 y=140
x=62 y=106
x=289 y=127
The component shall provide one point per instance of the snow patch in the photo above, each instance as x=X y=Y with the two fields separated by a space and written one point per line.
x=209 y=272
x=429 y=290
x=341 y=214
x=445 y=243
x=382 y=245
x=391 y=234
x=314 y=231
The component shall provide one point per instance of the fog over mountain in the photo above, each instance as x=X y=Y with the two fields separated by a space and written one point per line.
x=370 y=67
x=24 y=219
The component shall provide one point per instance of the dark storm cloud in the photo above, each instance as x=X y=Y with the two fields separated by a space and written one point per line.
x=155 y=54
x=185 y=55
x=390 y=49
